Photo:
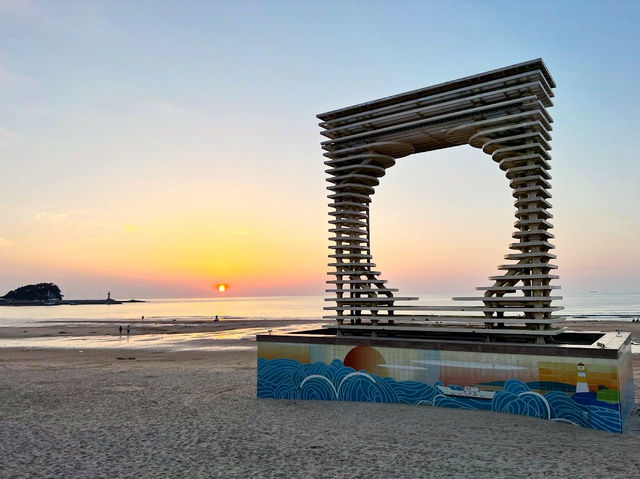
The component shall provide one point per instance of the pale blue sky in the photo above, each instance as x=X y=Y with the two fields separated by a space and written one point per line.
x=112 y=112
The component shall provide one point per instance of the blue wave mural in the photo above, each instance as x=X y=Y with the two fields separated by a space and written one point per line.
x=289 y=379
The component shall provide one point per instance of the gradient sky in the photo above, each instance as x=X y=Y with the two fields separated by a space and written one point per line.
x=156 y=148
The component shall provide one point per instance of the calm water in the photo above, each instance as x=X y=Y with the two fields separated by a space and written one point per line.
x=587 y=306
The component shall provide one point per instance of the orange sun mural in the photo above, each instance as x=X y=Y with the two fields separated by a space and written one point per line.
x=366 y=358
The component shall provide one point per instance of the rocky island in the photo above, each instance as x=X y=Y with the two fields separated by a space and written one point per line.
x=49 y=294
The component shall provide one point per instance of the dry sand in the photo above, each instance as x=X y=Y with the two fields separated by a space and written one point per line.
x=101 y=413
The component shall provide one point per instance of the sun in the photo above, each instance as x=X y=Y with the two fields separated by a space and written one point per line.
x=222 y=288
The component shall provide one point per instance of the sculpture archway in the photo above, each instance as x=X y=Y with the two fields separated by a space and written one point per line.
x=503 y=112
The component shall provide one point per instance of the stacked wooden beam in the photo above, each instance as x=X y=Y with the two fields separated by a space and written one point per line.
x=503 y=112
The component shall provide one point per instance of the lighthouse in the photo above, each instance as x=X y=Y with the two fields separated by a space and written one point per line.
x=581 y=384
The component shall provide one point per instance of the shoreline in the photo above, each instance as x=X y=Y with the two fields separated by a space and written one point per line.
x=195 y=335
x=78 y=328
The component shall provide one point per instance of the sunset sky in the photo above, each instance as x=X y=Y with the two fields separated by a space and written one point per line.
x=157 y=149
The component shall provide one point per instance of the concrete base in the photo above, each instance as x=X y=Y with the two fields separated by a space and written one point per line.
x=584 y=378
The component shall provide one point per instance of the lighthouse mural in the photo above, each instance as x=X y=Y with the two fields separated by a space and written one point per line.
x=581 y=384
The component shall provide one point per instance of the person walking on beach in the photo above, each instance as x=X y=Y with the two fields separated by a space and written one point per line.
x=120 y=330
x=128 y=330
x=216 y=320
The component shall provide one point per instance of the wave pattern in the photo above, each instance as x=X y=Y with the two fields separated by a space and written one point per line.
x=289 y=379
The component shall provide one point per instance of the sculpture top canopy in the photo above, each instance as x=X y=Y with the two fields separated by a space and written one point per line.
x=432 y=107
x=503 y=112
x=499 y=74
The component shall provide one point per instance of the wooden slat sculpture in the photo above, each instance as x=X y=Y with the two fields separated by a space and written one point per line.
x=503 y=112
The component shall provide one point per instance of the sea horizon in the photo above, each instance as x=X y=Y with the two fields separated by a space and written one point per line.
x=587 y=306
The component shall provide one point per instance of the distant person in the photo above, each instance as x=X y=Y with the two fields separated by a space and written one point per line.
x=216 y=318
x=143 y=317
x=128 y=330
x=120 y=330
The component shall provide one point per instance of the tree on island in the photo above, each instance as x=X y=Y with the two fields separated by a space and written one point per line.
x=35 y=292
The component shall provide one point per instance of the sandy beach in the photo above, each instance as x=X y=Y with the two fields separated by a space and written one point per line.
x=145 y=413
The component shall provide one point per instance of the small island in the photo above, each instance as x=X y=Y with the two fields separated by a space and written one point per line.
x=49 y=294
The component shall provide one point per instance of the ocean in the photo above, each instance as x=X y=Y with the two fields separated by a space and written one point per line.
x=593 y=306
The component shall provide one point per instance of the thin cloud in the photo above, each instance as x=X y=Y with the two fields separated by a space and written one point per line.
x=164 y=108
x=51 y=217
x=9 y=138
x=5 y=243
x=16 y=80
x=24 y=10
x=87 y=17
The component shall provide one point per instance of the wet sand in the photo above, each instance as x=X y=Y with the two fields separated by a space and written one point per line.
x=146 y=413
x=166 y=327
x=111 y=328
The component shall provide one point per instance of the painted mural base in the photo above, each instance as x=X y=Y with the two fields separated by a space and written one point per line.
x=588 y=385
